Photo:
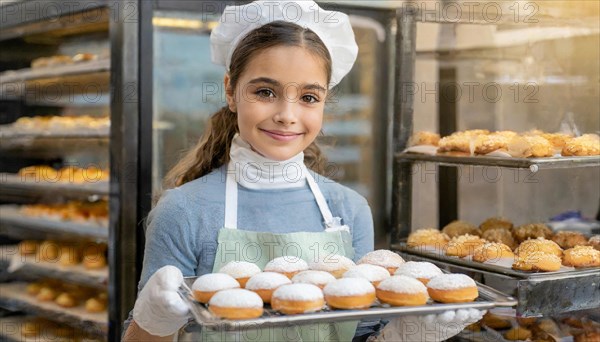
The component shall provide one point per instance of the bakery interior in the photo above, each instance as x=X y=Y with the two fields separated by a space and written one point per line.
x=98 y=99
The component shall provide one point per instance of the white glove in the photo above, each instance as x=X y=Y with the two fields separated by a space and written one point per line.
x=159 y=309
x=431 y=328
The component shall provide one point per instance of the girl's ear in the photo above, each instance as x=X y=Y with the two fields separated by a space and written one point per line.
x=229 y=93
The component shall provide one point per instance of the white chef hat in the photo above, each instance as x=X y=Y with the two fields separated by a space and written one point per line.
x=332 y=27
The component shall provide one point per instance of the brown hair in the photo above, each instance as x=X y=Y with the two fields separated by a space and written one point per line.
x=212 y=150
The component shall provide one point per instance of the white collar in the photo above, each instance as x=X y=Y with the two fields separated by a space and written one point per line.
x=254 y=171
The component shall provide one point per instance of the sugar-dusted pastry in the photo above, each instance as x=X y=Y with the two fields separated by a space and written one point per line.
x=335 y=264
x=240 y=270
x=492 y=251
x=265 y=283
x=452 y=288
x=488 y=143
x=317 y=278
x=531 y=231
x=585 y=145
x=349 y=293
x=287 y=265
x=594 y=241
x=582 y=256
x=424 y=138
x=463 y=142
x=567 y=239
x=525 y=146
x=427 y=237
x=421 y=270
x=558 y=140
x=537 y=261
x=500 y=235
x=373 y=273
x=402 y=291
x=539 y=245
x=495 y=223
x=463 y=245
x=205 y=286
x=236 y=304
x=297 y=299
x=458 y=228
x=384 y=258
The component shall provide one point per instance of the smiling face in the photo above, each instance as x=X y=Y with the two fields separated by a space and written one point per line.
x=279 y=100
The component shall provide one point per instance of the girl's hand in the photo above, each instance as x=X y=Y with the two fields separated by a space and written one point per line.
x=159 y=309
x=431 y=328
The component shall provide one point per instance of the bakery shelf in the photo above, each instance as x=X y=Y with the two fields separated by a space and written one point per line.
x=12 y=185
x=13 y=297
x=538 y=294
x=10 y=331
x=533 y=164
x=13 y=223
x=53 y=146
x=23 y=75
x=10 y=257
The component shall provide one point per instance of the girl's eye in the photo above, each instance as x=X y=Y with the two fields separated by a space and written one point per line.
x=265 y=93
x=310 y=99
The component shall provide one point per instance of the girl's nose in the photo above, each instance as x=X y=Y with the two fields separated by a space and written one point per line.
x=286 y=112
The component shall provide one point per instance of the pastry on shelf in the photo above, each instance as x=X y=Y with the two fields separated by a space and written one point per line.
x=70 y=254
x=594 y=241
x=349 y=293
x=422 y=270
x=28 y=247
x=531 y=231
x=585 y=145
x=424 y=138
x=38 y=173
x=427 y=237
x=48 y=251
x=581 y=256
x=402 y=291
x=567 y=239
x=94 y=256
x=500 y=235
x=537 y=261
x=33 y=289
x=492 y=252
x=66 y=300
x=96 y=305
x=452 y=288
x=495 y=321
x=84 y=57
x=488 y=143
x=526 y=146
x=47 y=294
x=373 y=273
x=518 y=334
x=44 y=62
x=457 y=228
x=558 y=140
x=463 y=142
x=539 y=245
x=495 y=223
x=463 y=245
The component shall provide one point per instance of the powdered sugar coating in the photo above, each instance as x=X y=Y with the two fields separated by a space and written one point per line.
x=212 y=282
x=313 y=277
x=236 y=298
x=451 y=282
x=298 y=292
x=418 y=269
x=348 y=287
x=286 y=264
x=383 y=258
x=332 y=263
x=402 y=284
x=367 y=271
x=240 y=269
x=267 y=281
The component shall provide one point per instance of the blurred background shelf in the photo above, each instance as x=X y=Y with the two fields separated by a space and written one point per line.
x=28 y=74
x=13 y=223
x=15 y=186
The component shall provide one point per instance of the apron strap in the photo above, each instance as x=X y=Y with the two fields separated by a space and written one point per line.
x=323 y=207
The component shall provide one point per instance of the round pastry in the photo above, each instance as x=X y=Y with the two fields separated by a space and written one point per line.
x=492 y=251
x=458 y=228
x=95 y=305
x=566 y=239
x=373 y=273
x=539 y=245
x=28 y=247
x=423 y=271
x=463 y=245
x=34 y=288
x=594 y=241
x=69 y=255
x=500 y=235
x=495 y=321
x=317 y=278
x=349 y=293
x=518 y=334
x=94 y=262
x=337 y=265
x=240 y=270
x=205 y=286
x=265 y=283
x=46 y=294
x=537 y=261
x=427 y=237
x=287 y=265
x=66 y=300
x=402 y=291
x=488 y=143
x=585 y=145
x=48 y=251
x=495 y=223
x=452 y=288
x=236 y=304
x=531 y=231
x=384 y=258
x=424 y=138
x=525 y=146
x=297 y=299
x=582 y=256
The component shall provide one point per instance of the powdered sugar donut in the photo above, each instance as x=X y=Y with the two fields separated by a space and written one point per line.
x=240 y=270
x=452 y=288
x=334 y=264
x=372 y=273
x=265 y=283
x=236 y=304
x=297 y=298
x=423 y=271
x=402 y=291
x=205 y=286
x=349 y=293
x=317 y=278
x=287 y=265
x=383 y=258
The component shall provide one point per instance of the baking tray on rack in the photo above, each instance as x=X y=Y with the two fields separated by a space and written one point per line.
x=13 y=184
x=488 y=298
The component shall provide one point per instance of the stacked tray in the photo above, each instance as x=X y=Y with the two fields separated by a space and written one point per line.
x=488 y=298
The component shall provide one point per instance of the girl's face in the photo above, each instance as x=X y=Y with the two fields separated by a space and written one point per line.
x=279 y=100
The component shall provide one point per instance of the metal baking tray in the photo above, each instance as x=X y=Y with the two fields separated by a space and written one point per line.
x=563 y=272
x=488 y=298
x=16 y=76
x=14 y=185
x=533 y=164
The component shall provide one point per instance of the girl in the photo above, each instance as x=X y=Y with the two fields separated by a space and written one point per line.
x=251 y=188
